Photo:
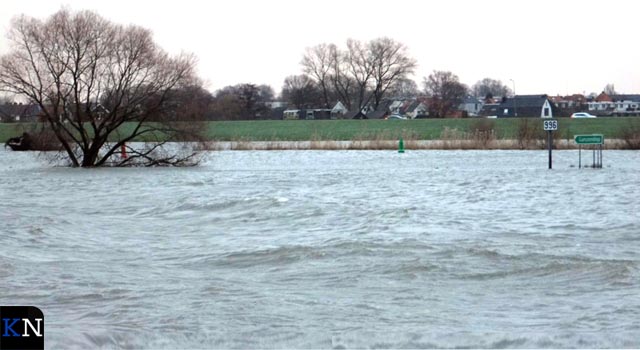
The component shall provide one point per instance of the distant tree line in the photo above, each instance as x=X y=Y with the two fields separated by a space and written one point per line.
x=364 y=74
x=359 y=74
x=488 y=88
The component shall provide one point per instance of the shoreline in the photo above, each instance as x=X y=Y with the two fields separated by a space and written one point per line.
x=611 y=144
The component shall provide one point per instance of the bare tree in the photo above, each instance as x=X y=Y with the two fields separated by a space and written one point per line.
x=227 y=107
x=301 y=91
x=252 y=99
x=342 y=83
x=490 y=87
x=318 y=62
x=390 y=64
x=71 y=63
x=360 y=67
x=445 y=92
x=403 y=89
x=193 y=103
x=243 y=101
x=266 y=93
x=610 y=90
x=360 y=75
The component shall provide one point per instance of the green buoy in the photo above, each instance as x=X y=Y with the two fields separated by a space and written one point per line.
x=401 y=146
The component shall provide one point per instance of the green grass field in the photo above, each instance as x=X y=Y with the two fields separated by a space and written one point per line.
x=423 y=129
x=8 y=130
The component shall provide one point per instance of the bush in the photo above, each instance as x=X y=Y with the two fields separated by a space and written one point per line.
x=528 y=134
x=483 y=132
x=631 y=135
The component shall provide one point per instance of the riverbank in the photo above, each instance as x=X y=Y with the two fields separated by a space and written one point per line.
x=393 y=145
x=469 y=133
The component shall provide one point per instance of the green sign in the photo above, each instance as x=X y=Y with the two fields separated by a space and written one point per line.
x=595 y=139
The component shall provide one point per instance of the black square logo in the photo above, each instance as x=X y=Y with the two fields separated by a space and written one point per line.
x=21 y=327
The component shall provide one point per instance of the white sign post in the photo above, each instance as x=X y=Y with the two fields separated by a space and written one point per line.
x=593 y=139
x=550 y=126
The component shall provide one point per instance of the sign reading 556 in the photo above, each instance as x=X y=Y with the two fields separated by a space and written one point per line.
x=550 y=125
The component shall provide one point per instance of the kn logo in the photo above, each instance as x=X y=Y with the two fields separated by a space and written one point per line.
x=21 y=327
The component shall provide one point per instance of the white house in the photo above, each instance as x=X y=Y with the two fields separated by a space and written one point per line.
x=338 y=111
x=471 y=105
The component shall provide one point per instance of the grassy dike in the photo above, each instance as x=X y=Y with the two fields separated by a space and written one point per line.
x=422 y=129
x=356 y=130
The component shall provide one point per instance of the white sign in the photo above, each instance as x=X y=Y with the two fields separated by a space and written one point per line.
x=550 y=125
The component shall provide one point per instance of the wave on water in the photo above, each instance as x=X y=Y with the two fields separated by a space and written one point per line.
x=334 y=249
x=482 y=264
x=194 y=205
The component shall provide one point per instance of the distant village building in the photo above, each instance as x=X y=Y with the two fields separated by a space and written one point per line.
x=614 y=105
x=355 y=115
x=471 y=106
x=410 y=108
x=416 y=109
x=380 y=113
x=307 y=114
x=522 y=106
x=18 y=112
x=567 y=105
x=338 y=111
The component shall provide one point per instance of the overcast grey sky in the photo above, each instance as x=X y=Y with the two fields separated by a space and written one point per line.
x=545 y=46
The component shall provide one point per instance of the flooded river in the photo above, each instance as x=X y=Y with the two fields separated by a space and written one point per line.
x=337 y=249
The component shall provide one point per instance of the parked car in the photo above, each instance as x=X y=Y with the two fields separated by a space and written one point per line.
x=582 y=115
x=396 y=117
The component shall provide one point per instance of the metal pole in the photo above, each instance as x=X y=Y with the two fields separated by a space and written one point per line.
x=601 y=146
x=579 y=156
x=594 y=158
x=550 y=143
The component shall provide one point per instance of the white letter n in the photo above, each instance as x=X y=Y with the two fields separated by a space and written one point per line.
x=27 y=322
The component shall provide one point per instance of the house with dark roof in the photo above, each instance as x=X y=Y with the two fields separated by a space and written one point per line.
x=415 y=108
x=626 y=105
x=626 y=97
x=521 y=106
x=409 y=108
x=567 y=105
x=379 y=113
x=17 y=112
x=307 y=114
x=615 y=105
x=355 y=115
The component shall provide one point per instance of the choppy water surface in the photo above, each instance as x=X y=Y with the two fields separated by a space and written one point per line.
x=309 y=249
